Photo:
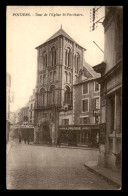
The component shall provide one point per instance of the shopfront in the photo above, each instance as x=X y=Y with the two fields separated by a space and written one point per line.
x=75 y=135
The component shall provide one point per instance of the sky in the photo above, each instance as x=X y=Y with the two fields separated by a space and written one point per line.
x=25 y=33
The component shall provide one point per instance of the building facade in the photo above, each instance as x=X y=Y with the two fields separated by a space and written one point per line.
x=8 y=100
x=59 y=89
x=13 y=117
x=60 y=59
x=111 y=90
x=24 y=116
x=84 y=111
x=31 y=106
x=87 y=97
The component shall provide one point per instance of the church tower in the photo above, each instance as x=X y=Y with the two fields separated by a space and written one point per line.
x=59 y=63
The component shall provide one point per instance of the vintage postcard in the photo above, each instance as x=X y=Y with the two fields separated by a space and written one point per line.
x=64 y=97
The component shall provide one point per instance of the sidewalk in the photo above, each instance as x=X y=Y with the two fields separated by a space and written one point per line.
x=79 y=147
x=108 y=174
x=82 y=147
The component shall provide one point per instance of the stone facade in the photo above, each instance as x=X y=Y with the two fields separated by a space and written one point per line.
x=111 y=89
x=59 y=62
x=31 y=106
x=92 y=97
x=23 y=116
x=60 y=69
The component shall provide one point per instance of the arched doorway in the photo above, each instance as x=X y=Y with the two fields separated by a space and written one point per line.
x=45 y=136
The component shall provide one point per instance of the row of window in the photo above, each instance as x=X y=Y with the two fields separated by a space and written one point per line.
x=85 y=87
x=67 y=95
x=43 y=57
x=68 y=58
x=42 y=79
x=83 y=120
x=51 y=95
x=52 y=77
x=95 y=105
x=86 y=120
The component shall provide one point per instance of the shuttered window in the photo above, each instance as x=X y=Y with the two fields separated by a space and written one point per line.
x=92 y=104
x=96 y=86
x=97 y=103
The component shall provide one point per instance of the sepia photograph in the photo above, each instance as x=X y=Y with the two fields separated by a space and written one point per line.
x=64 y=97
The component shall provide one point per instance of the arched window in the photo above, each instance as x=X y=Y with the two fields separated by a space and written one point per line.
x=50 y=76
x=52 y=95
x=40 y=79
x=69 y=77
x=54 y=75
x=66 y=76
x=42 y=96
x=44 y=59
x=67 y=95
x=68 y=57
x=77 y=62
x=53 y=55
x=44 y=79
x=40 y=62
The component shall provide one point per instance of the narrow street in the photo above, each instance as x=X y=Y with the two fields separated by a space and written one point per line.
x=41 y=167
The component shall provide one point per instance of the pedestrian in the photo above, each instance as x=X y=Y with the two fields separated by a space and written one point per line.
x=28 y=140
x=25 y=140
x=118 y=159
x=58 y=141
x=19 y=139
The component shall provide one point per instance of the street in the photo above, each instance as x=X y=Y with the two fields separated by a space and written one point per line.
x=35 y=167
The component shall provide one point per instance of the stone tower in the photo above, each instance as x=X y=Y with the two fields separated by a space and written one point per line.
x=60 y=61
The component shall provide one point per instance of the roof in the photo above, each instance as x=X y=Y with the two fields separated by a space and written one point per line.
x=58 y=33
x=91 y=70
x=88 y=68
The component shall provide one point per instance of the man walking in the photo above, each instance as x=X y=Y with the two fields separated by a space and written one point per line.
x=58 y=141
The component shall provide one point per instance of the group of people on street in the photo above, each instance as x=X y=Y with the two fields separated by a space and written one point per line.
x=25 y=140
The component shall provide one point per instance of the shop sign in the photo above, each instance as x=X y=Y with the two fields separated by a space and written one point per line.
x=96 y=112
x=23 y=126
x=74 y=128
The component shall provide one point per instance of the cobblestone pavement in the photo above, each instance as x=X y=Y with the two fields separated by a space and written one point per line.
x=40 y=167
